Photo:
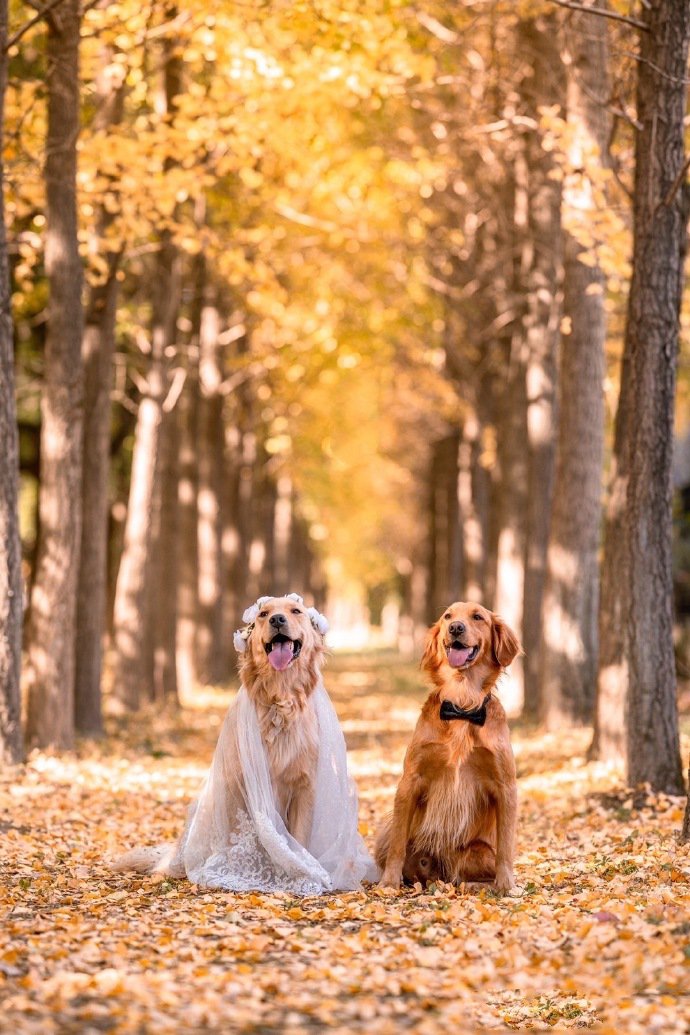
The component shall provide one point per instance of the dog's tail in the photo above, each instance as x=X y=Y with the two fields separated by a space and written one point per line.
x=161 y=859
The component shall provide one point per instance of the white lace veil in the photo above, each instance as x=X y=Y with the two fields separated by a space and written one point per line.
x=235 y=838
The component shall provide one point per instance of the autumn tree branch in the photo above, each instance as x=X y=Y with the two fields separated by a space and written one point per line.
x=41 y=13
x=573 y=5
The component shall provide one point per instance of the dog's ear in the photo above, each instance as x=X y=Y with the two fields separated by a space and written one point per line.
x=504 y=643
x=433 y=655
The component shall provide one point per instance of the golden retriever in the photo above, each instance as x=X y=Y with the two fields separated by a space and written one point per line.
x=455 y=811
x=281 y=669
x=281 y=650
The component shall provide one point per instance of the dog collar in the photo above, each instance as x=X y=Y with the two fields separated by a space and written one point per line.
x=477 y=716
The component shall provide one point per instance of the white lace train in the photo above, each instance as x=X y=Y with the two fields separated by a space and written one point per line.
x=235 y=838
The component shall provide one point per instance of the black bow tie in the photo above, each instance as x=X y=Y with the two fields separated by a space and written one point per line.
x=477 y=716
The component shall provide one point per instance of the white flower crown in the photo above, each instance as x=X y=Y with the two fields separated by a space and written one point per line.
x=319 y=621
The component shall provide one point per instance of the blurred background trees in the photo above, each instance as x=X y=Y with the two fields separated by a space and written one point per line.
x=356 y=279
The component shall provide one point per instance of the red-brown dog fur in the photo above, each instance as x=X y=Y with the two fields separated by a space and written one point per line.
x=455 y=812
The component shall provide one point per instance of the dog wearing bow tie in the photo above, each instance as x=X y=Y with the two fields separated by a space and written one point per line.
x=455 y=811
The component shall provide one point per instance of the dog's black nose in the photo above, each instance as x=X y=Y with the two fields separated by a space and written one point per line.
x=455 y=628
x=277 y=621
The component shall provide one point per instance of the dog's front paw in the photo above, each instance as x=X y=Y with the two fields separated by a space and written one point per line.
x=391 y=879
x=505 y=881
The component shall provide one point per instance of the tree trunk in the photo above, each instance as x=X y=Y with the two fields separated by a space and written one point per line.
x=470 y=516
x=163 y=584
x=98 y=346
x=11 y=609
x=571 y=596
x=283 y=536
x=54 y=594
x=135 y=646
x=245 y=514
x=210 y=651
x=542 y=86
x=445 y=533
x=512 y=503
x=187 y=493
x=130 y=608
x=510 y=474
x=637 y=667
x=234 y=560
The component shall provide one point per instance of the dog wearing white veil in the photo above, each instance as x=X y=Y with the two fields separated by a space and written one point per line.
x=277 y=811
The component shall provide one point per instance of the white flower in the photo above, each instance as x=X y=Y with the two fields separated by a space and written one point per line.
x=250 y=615
x=319 y=621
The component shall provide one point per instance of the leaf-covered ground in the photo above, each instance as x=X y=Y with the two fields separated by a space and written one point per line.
x=599 y=937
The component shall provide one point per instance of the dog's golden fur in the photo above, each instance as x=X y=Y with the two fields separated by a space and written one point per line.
x=288 y=728
x=455 y=811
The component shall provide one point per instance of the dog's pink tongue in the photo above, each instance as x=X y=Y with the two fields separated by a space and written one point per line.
x=457 y=657
x=280 y=656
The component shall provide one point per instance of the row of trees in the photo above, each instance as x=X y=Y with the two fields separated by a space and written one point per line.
x=354 y=286
x=172 y=179
x=519 y=524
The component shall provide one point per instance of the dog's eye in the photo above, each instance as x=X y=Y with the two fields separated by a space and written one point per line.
x=296 y=611
x=477 y=617
x=263 y=614
x=447 y=614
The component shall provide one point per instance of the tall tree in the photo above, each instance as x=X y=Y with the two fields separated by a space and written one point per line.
x=163 y=583
x=542 y=88
x=11 y=747
x=187 y=493
x=637 y=678
x=211 y=445
x=510 y=485
x=135 y=664
x=445 y=531
x=132 y=673
x=569 y=626
x=54 y=593
x=98 y=346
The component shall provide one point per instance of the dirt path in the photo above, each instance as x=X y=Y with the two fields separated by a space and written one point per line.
x=599 y=937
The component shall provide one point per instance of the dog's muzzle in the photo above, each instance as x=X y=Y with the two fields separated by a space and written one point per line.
x=460 y=656
x=282 y=651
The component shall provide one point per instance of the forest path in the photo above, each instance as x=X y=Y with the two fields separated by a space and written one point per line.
x=599 y=936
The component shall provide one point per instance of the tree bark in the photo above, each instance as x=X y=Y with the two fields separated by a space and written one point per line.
x=187 y=495
x=511 y=500
x=130 y=610
x=163 y=584
x=283 y=536
x=470 y=480
x=508 y=488
x=445 y=532
x=98 y=347
x=51 y=647
x=11 y=609
x=637 y=667
x=133 y=644
x=542 y=86
x=571 y=596
x=210 y=650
